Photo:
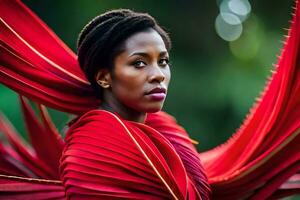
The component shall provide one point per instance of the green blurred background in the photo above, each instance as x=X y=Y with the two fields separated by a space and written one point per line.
x=214 y=81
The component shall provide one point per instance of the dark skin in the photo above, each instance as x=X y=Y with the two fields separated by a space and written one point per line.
x=141 y=68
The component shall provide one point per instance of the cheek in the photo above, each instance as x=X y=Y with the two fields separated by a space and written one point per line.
x=128 y=84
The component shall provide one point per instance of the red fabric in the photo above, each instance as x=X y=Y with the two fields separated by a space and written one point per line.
x=152 y=161
x=24 y=188
x=38 y=64
x=266 y=145
x=180 y=140
x=107 y=157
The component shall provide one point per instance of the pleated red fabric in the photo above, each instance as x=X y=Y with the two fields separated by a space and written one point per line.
x=25 y=172
x=37 y=64
x=184 y=146
x=27 y=188
x=109 y=158
x=106 y=157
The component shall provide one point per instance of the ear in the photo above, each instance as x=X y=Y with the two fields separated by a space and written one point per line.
x=103 y=78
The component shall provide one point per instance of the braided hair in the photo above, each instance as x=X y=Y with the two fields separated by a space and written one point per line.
x=100 y=41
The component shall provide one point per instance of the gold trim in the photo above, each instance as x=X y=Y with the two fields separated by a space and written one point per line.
x=57 y=182
x=44 y=57
x=145 y=155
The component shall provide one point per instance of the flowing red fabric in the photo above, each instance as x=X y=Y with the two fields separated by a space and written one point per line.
x=105 y=157
x=21 y=188
x=37 y=64
x=264 y=152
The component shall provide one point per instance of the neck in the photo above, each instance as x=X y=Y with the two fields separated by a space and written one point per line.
x=111 y=104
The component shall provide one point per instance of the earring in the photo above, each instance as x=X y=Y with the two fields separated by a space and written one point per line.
x=103 y=84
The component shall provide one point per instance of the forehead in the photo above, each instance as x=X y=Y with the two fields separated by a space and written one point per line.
x=147 y=40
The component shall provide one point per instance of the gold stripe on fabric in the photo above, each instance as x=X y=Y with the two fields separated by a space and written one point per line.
x=57 y=182
x=147 y=158
x=44 y=57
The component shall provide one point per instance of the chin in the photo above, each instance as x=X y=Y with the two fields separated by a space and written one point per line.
x=149 y=107
x=153 y=109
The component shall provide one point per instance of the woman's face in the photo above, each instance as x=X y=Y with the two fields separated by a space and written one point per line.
x=141 y=73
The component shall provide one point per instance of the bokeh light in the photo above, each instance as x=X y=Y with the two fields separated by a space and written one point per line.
x=234 y=13
x=242 y=8
x=228 y=26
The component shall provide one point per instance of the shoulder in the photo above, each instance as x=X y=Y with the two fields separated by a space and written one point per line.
x=93 y=115
x=94 y=118
x=167 y=125
x=108 y=157
x=163 y=120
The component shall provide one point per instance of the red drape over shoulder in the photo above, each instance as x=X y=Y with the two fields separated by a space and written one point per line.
x=108 y=158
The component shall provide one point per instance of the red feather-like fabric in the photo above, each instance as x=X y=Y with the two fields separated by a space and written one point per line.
x=38 y=64
x=25 y=173
x=264 y=152
x=27 y=188
x=106 y=157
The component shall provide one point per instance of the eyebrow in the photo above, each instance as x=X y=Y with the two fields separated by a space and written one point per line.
x=144 y=54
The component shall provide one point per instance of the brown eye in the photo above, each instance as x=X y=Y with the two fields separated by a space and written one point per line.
x=139 y=64
x=163 y=62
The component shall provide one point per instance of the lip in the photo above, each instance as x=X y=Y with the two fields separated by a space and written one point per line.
x=157 y=94
x=157 y=90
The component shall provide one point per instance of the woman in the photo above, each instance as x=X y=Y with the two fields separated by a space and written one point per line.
x=120 y=147
x=125 y=57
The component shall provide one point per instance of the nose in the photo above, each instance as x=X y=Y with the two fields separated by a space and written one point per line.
x=157 y=75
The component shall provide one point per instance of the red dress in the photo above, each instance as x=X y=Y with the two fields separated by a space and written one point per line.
x=122 y=159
